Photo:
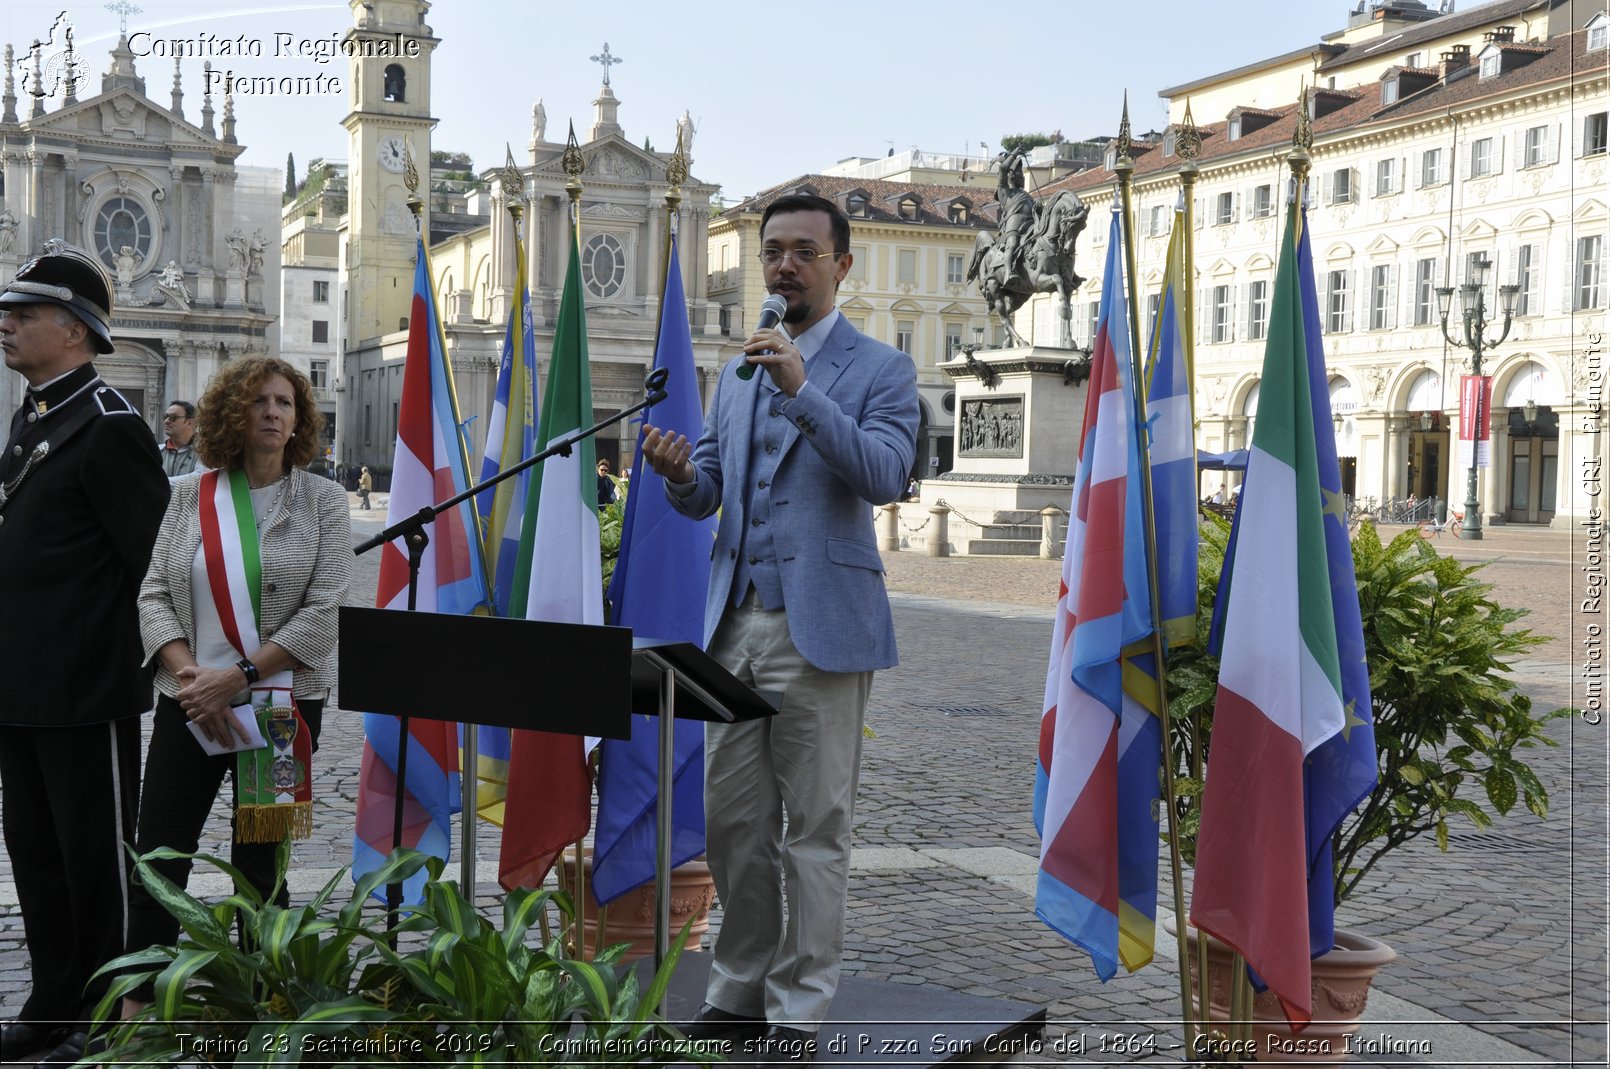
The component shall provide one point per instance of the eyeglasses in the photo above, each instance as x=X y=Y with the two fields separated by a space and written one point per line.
x=802 y=257
x=170 y=417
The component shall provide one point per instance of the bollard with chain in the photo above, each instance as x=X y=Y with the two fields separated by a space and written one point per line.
x=889 y=526
x=939 y=540
x=1048 y=532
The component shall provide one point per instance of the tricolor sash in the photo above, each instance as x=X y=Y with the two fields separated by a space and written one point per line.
x=274 y=783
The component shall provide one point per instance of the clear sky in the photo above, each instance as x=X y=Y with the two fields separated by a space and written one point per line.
x=775 y=92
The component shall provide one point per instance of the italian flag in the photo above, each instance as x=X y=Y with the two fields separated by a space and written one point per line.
x=557 y=577
x=1280 y=688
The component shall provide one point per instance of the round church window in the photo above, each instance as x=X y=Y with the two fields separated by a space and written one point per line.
x=122 y=221
x=603 y=265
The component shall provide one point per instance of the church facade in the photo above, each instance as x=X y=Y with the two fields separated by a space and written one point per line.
x=185 y=232
x=624 y=239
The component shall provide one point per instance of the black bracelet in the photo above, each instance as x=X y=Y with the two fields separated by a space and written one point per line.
x=245 y=665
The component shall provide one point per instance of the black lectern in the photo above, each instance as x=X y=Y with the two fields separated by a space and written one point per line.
x=676 y=679
x=574 y=679
x=569 y=678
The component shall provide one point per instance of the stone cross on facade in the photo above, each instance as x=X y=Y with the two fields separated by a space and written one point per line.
x=123 y=9
x=607 y=60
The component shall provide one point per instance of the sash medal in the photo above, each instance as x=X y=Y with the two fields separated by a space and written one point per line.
x=273 y=783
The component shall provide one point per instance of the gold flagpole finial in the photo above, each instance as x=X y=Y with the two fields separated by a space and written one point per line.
x=411 y=180
x=1302 y=137
x=1188 y=139
x=1124 y=138
x=676 y=172
x=574 y=164
x=1303 y=131
x=676 y=168
x=513 y=184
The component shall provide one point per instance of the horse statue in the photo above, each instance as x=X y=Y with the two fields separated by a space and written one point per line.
x=1043 y=263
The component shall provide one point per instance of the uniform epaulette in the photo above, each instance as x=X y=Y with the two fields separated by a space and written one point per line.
x=113 y=403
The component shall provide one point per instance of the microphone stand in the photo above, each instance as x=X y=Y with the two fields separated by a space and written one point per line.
x=412 y=530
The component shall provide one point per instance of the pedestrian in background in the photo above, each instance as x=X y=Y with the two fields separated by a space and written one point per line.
x=179 y=427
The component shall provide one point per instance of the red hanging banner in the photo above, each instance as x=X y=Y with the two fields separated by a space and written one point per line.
x=1475 y=407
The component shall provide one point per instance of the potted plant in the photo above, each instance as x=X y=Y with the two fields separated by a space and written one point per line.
x=321 y=982
x=1451 y=733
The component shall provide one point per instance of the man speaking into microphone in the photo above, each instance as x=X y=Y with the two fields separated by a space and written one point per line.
x=795 y=457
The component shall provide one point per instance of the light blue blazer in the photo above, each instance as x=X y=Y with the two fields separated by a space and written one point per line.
x=850 y=443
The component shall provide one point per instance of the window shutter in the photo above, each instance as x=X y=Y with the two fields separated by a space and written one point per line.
x=1551 y=151
x=1329 y=191
x=1498 y=153
x=1245 y=318
x=1199 y=210
x=1579 y=137
x=1403 y=174
x=1392 y=297
x=1464 y=161
x=1235 y=207
x=1352 y=301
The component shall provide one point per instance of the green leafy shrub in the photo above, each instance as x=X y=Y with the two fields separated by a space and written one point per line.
x=321 y=983
x=1448 y=721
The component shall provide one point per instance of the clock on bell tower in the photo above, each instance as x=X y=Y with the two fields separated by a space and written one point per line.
x=388 y=120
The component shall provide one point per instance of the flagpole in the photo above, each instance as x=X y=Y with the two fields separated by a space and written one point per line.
x=574 y=164
x=1188 y=146
x=1125 y=168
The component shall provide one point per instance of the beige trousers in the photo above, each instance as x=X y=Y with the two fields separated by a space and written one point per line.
x=782 y=889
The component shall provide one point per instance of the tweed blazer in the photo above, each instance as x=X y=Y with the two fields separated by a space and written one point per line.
x=306 y=550
x=849 y=443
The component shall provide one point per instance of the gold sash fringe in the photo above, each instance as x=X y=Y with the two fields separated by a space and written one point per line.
x=271 y=823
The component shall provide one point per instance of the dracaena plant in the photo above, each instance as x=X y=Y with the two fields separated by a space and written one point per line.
x=1451 y=731
x=321 y=982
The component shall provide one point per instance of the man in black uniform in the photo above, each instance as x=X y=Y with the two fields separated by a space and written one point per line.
x=81 y=495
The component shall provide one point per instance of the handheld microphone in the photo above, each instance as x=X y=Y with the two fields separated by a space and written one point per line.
x=772 y=311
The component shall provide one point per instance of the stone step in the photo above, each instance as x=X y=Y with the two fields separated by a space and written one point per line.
x=1012 y=531
x=1002 y=547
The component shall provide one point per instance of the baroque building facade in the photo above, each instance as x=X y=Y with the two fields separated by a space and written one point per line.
x=624 y=239
x=1439 y=140
x=184 y=231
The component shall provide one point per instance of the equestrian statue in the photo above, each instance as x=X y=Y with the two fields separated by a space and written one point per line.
x=1031 y=251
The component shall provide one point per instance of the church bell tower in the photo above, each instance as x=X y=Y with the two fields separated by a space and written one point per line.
x=388 y=93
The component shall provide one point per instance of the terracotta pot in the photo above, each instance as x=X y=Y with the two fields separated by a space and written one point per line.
x=630 y=918
x=1341 y=982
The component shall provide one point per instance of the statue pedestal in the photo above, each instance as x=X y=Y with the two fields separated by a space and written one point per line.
x=234 y=290
x=1017 y=446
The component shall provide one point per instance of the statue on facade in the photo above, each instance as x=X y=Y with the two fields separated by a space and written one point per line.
x=8 y=232
x=239 y=250
x=127 y=261
x=539 y=122
x=685 y=127
x=1032 y=250
x=171 y=287
x=255 y=253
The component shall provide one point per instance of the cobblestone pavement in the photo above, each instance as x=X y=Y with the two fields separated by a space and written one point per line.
x=1501 y=940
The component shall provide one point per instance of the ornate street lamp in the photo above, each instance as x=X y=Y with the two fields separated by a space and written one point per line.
x=1473 y=300
x=1425 y=421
